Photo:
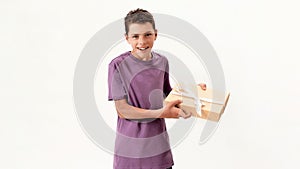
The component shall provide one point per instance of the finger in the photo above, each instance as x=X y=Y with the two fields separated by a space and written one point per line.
x=184 y=114
x=188 y=114
x=203 y=86
x=181 y=114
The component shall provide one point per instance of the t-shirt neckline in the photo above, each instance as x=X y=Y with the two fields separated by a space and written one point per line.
x=143 y=61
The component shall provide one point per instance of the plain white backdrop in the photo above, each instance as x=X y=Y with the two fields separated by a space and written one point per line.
x=256 y=41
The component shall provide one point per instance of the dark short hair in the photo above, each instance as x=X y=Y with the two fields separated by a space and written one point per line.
x=138 y=16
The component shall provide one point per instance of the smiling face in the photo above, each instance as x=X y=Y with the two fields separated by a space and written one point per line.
x=141 y=37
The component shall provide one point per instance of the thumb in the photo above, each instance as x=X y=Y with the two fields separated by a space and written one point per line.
x=175 y=102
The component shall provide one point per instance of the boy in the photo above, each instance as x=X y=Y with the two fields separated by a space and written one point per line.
x=138 y=82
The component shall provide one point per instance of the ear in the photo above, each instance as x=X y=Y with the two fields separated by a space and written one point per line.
x=155 y=34
x=126 y=37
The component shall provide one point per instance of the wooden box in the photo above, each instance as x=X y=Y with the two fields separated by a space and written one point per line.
x=213 y=103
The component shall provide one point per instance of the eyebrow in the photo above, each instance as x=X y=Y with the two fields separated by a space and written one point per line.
x=142 y=33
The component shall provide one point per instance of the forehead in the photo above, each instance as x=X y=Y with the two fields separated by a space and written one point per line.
x=140 y=28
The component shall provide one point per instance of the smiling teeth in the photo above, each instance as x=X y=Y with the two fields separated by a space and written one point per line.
x=142 y=48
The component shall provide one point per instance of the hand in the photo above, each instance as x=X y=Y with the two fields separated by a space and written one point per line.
x=202 y=85
x=172 y=110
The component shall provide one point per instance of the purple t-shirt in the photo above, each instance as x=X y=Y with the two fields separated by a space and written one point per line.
x=140 y=144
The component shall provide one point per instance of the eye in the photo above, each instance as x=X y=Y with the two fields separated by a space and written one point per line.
x=148 y=34
x=135 y=36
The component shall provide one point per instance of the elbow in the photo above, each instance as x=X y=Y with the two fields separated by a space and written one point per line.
x=121 y=114
x=123 y=109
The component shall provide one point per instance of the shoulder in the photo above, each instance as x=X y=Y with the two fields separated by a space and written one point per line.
x=117 y=60
x=160 y=56
x=161 y=59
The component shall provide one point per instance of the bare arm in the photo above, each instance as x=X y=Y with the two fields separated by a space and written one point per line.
x=168 y=111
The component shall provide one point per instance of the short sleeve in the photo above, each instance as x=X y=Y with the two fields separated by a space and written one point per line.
x=116 y=89
x=167 y=86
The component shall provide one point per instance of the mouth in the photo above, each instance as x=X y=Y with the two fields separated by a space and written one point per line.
x=142 y=49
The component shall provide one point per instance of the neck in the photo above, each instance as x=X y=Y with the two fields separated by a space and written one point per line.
x=149 y=57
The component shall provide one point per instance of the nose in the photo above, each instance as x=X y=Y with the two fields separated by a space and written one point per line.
x=141 y=40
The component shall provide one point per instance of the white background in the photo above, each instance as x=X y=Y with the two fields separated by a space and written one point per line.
x=256 y=41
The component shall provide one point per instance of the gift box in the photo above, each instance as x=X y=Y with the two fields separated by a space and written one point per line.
x=208 y=104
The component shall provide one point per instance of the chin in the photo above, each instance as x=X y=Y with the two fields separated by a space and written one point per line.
x=145 y=54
